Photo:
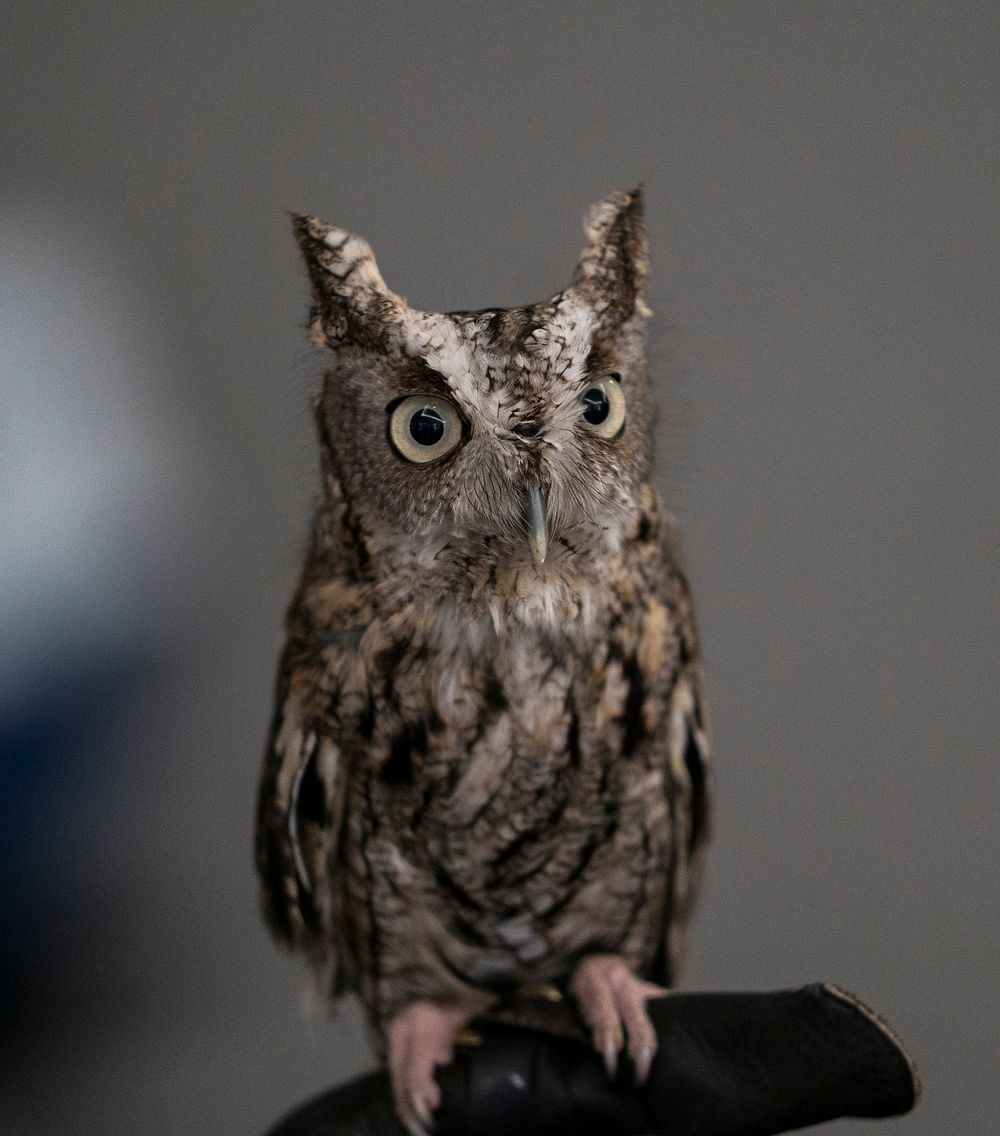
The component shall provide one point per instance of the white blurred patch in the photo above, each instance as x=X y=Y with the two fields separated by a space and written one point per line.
x=87 y=450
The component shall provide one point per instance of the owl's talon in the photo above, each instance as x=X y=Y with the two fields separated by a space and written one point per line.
x=609 y=1049
x=421 y=1109
x=642 y=1062
x=613 y=1003
x=422 y=1038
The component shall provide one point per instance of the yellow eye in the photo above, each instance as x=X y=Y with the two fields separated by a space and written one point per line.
x=424 y=427
x=603 y=409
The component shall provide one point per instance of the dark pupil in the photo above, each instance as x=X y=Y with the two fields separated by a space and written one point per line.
x=427 y=427
x=595 y=406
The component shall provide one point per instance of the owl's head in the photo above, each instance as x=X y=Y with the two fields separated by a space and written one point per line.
x=516 y=437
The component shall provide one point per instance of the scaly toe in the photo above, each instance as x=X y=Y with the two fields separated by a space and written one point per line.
x=613 y=1003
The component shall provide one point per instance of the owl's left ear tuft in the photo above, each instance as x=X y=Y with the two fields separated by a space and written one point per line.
x=351 y=302
x=615 y=260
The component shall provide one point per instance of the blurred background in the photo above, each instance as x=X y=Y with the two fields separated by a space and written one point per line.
x=822 y=192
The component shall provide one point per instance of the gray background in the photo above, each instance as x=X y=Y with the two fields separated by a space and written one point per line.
x=822 y=198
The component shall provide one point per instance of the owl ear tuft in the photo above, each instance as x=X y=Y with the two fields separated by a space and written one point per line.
x=614 y=262
x=351 y=302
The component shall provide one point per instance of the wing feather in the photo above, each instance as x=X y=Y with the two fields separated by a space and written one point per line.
x=299 y=821
x=689 y=781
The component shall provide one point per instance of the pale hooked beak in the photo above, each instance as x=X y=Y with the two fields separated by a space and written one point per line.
x=538 y=537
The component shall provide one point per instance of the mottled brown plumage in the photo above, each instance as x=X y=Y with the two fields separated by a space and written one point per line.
x=484 y=768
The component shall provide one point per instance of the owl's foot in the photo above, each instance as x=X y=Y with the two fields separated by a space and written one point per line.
x=422 y=1037
x=613 y=1003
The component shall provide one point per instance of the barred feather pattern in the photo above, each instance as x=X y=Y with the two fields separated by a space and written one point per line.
x=482 y=769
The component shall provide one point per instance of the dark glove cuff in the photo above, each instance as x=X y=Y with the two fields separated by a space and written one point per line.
x=727 y=1065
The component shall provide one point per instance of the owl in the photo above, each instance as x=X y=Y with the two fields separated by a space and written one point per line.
x=488 y=764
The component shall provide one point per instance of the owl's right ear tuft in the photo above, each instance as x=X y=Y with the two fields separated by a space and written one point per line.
x=614 y=263
x=351 y=302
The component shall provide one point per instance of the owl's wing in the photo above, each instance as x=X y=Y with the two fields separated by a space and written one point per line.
x=690 y=756
x=300 y=814
x=689 y=777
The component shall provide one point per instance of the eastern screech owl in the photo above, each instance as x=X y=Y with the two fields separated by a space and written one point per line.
x=488 y=764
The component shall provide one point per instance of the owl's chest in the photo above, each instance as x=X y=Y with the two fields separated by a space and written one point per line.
x=491 y=747
x=518 y=789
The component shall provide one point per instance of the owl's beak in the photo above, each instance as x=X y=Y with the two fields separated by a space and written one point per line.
x=538 y=537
